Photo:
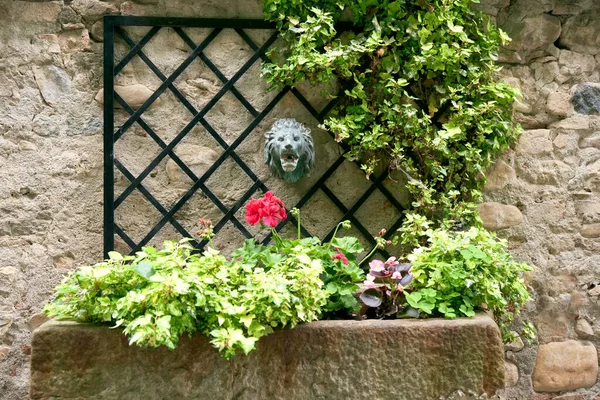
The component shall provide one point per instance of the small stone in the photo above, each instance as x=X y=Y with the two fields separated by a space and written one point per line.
x=73 y=27
x=65 y=261
x=68 y=16
x=516 y=345
x=197 y=158
x=37 y=320
x=576 y=64
x=497 y=216
x=591 y=141
x=97 y=31
x=93 y=10
x=51 y=42
x=574 y=123
x=500 y=175
x=567 y=365
x=562 y=140
x=8 y=272
x=550 y=327
x=134 y=95
x=511 y=374
x=591 y=231
x=506 y=56
x=595 y=291
x=53 y=83
x=535 y=142
x=558 y=104
x=545 y=73
x=5 y=324
x=4 y=350
x=74 y=41
x=586 y=99
x=583 y=329
x=522 y=107
x=588 y=210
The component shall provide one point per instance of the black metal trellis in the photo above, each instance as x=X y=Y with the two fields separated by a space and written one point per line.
x=112 y=28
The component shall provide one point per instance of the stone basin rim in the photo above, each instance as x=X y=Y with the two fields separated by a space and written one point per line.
x=342 y=324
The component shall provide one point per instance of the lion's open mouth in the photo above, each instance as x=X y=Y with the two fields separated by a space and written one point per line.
x=288 y=161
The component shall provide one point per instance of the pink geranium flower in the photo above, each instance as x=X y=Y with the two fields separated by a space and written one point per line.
x=340 y=256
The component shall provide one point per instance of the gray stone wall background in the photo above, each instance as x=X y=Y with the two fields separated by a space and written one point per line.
x=543 y=196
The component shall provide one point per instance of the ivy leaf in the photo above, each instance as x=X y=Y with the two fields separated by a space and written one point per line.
x=145 y=269
x=115 y=256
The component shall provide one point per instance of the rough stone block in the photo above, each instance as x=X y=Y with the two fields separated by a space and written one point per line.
x=53 y=83
x=591 y=231
x=511 y=372
x=402 y=359
x=580 y=33
x=516 y=345
x=586 y=99
x=567 y=365
x=532 y=33
x=197 y=158
x=575 y=123
x=134 y=95
x=584 y=329
x=535 y=142
x=558 y=104
x=497 y=216
x=500 y=175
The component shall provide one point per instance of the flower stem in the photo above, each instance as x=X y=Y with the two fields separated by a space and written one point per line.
x=368 y=255
x=298 y=216
x=276 y=238
x=334 y=233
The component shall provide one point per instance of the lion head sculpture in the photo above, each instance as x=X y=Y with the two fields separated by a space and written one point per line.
x=289 y=150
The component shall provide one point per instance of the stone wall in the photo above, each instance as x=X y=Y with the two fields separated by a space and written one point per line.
x=544 y=196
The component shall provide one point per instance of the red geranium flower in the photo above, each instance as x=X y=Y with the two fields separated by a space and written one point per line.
x=340 y=256
x=268 y=209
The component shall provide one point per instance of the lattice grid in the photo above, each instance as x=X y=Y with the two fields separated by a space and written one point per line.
x=114 y=29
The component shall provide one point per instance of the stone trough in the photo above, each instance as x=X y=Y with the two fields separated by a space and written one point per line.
x=401 y=359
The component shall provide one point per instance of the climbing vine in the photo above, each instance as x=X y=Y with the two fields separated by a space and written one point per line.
x=417 y=92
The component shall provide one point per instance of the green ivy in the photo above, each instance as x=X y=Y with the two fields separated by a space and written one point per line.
x=406 y=64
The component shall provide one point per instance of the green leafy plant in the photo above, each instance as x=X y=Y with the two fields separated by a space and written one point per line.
x=462 y=271
x=417 y=90
x=157 y=296
x=417 y=93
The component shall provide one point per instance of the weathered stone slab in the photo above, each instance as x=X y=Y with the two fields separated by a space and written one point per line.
x=134 y=95
x=567 y=365
x=496 y=216
x=402 y=359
